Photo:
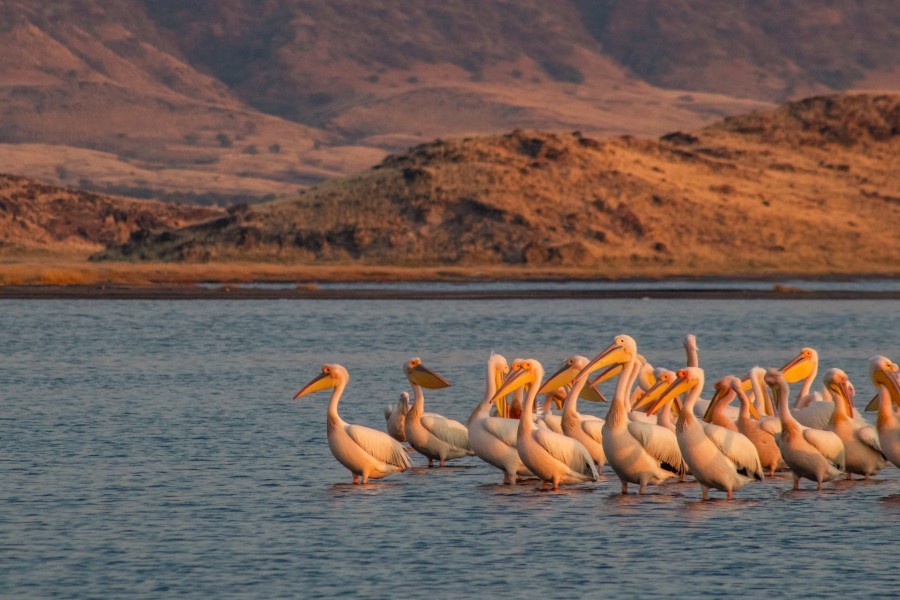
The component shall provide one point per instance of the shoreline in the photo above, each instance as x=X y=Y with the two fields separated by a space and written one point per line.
x=227 y=292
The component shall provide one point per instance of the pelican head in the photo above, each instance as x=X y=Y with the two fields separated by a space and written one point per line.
x=664 y=379
x=884 y=372
x=737 y=386
x=525 y=372
x=622 y=350
x=801 y=366
x=723 y=392
x=498 y=368
x=837 y=382
x=565 y=375
x=420 y=375
x=404 y=402
x=330 y=377
x=686 y=380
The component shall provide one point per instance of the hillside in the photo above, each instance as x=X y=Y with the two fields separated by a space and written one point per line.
x=806 y=188
x=232 y=101
x=38 y=219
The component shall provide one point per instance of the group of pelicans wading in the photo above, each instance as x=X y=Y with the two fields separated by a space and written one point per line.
x=657 y=427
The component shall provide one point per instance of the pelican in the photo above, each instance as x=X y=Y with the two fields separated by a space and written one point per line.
x=810 y=453
x=717 y=457
x=545 y=418
x=862 y=452
x=434 y=436
x=701 y=408
x=715 y=411
x=884 y=376
x=493 y=439
x=584 y=428
x=639 y=453
x=753 y=429
x=365 y=452
x=554 y=458
x=395 y=417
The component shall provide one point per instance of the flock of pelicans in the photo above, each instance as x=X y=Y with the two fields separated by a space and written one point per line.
x=657 y=427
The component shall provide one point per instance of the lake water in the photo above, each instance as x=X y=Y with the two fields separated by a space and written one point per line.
x=153 y=449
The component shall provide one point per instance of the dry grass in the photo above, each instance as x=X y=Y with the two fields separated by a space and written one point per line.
x=73 y=272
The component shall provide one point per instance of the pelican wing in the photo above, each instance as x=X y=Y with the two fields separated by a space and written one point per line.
x=593 y=428
x=828 y=444
x=816 y=414
x=737 y=448
x=379 y=446
x=661 y=444
x=389 y=410
x=552 y=422
x=447 y=430
x=505 y=430
x=869 y=436
x=567 y=451
x=770 y=425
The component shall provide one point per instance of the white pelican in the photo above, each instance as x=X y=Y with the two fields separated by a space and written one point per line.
x=365 y=452
x=717 y=457
x=884 y=377
x=434 y=436
x=810 y=453
x=862 y=452
x=493 y=439
x=584 y=428
x=701 y=408
x=639 y=453
x=395 y=417
x=763 y=438
x=554 y=458
x=716 y=409
x=545 y=417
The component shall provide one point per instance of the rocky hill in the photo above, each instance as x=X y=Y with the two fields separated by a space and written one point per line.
x=806 y=188
x=236 y=100
x=38 y=219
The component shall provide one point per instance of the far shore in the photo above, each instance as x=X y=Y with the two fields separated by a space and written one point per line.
x=18 y=274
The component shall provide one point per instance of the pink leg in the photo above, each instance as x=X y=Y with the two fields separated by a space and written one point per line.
x=555 y=486
x=624 y=487
x=442 y=462
x=543 y=486
x=365 y=479
x=355 y=479
x=430 y=463
x=796 y=482
x=730 y=495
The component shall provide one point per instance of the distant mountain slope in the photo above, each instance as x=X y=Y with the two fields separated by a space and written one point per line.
x=767 y=49
x=242 y=99
x=37 y=218
x=806 y=188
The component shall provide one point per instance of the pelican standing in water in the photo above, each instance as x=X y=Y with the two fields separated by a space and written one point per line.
x=553 y=457
x=367 y=453
x=717 y=457
x=862 y=452
x=395 y=417
x=754 y=429
x=493 y=439
x=639 y=453
x=432 y=435
x=810 y=453
x=584 y=428
x=884 y=376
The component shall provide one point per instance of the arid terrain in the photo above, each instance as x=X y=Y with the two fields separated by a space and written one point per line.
x=806 y=188
x=240 y=101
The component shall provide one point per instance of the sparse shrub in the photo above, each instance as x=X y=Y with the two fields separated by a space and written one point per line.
x=251 y=149
x=275 y=148
x=62 y=172
x=223 y=140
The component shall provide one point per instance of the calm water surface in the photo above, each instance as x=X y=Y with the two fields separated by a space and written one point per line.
x=152 y=449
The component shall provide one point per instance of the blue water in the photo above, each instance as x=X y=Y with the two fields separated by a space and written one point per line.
x=153 y=449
